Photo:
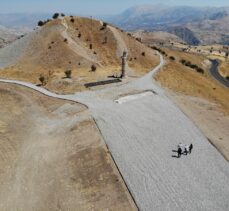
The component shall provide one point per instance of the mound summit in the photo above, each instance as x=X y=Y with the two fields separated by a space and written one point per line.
x=76 y=44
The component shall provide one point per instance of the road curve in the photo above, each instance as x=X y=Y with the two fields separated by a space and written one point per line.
x=214 y=72
x=141 y=135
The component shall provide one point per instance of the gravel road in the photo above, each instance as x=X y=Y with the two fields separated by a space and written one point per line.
x=141 y=135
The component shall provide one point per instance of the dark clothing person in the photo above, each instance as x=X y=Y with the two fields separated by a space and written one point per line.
x=185 y=151
x=190 y=148
x=179 y=151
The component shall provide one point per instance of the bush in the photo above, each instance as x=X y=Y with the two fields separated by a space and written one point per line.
x=143 y=53
x=93 y=68
x=104 y=24
x=172 y=58
x=90 y=46
x=182 y=61
x=68 y=73
x=40 y=23
x=42 y=80
x=66 y=40
x=72 y=20
x=79 y=35
x=200 y=70
x=62 y=14
x=138 y=39
x=227 y=78
x=55 y=16
x=188 y=64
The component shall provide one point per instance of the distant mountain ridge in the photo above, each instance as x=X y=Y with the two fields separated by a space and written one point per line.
x=192 y=24
x=148 y=16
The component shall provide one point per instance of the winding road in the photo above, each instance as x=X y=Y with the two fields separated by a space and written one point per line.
x=141 y=135
x=214 y=72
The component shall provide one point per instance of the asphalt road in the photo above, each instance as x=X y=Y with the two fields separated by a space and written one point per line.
x=215 y=73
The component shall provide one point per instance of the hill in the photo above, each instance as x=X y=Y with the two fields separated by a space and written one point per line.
x=74 y=43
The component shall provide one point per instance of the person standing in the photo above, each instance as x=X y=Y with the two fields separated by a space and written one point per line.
x=190 y=148
x=179 y=152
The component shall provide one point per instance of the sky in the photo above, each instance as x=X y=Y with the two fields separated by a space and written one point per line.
x=92 y=7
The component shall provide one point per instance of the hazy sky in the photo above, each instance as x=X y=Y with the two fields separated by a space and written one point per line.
x=93 y=7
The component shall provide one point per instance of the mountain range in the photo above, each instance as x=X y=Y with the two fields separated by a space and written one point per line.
x=195 y=25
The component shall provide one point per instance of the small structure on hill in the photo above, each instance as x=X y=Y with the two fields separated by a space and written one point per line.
x=123 y=70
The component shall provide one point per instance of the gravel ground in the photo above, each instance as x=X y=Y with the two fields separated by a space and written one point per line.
x=141 y=135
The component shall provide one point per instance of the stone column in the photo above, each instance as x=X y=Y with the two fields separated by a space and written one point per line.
x=124 y=57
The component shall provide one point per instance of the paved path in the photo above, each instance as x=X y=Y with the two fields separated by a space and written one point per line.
x=141 y=135
x=214 y=72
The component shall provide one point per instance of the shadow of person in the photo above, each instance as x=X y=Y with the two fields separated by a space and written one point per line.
x=175 y=156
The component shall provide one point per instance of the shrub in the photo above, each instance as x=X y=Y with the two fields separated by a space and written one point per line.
x=72 y=20
x=55 y=16
x=182 y=61
x=188 y=64
x=79 y=35
x=40 y=23
x=62 y=14
x=42 y=80
x=172 y=58
x=104 y=24
x=90 y=46
x=93 y=68
x=193 y=66
x=138 y=39
x=68 y=73
x=200 y=70
x=227 y=78
x=143 y=53
x=66 y=40
x=226 y=54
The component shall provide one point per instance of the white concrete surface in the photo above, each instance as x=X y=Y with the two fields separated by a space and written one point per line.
x=141 y=135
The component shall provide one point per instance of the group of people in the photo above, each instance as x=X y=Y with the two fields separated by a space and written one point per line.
x=184 y=149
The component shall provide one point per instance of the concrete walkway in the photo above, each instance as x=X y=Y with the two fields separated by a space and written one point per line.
x=141 y=135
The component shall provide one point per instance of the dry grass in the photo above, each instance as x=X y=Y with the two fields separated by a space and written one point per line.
x=179 y=78
x=53 y=156
x=224 y=68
